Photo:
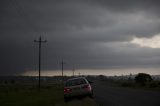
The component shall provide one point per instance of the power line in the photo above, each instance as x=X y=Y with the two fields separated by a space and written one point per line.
x=40 y=41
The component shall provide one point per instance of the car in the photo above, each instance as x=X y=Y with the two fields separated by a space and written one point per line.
x=76 y=87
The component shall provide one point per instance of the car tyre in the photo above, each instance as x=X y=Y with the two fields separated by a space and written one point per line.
x=91 y=95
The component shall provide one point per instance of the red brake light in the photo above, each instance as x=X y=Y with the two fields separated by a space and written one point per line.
x=67 y=90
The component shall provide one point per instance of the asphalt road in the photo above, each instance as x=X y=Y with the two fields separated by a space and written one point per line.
x=118 y=96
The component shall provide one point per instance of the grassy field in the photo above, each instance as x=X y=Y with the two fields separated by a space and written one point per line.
x=32 y=96
x=153 y=85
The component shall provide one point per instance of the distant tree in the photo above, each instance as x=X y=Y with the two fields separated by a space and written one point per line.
x=101 y=77
x=12 y=81
x=6 y=82
x=142 y=78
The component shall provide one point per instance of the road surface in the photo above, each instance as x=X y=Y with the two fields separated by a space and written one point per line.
x=118 y=96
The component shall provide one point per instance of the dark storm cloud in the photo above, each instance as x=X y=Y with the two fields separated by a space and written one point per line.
x=129 y=5
x=75 y=30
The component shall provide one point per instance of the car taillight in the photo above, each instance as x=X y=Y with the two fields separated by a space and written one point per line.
x=88 y=87
x=67 y=90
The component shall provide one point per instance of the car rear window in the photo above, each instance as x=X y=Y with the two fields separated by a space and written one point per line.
x=75 y=82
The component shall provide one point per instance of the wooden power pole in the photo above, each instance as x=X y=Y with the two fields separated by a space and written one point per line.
x=39 y=61
x=62 y=63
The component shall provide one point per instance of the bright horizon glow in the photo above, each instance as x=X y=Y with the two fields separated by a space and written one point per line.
x=107 y=72
x=153 y=42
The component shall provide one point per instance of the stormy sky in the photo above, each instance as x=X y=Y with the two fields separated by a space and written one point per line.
x=88 y=35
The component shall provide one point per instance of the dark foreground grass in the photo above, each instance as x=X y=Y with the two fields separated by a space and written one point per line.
x=32 y=96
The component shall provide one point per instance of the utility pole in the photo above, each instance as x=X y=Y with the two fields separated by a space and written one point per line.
x=73 y=70
x=40 y=41
x=62 y=63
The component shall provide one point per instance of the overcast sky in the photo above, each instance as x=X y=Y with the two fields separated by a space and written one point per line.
x=86 y=34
